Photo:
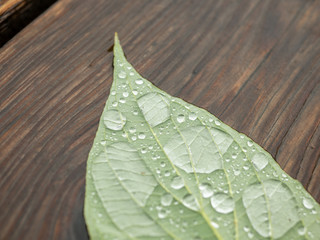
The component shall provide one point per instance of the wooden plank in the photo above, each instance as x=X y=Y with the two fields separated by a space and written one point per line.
x=16 y=14
x=253 y=64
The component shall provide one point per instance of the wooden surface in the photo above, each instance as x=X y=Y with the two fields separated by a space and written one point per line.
x=16 y=14
x=253 y=64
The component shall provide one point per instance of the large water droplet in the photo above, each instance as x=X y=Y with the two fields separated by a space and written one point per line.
x=154 y=107
x=206 y=190
x=190 y=202
x=280 y=206
x=122 y=74
x=307 y=203
x=260 y=161
x=114 y=120
x=166 y=199
x=222 y=203
x=177 y=183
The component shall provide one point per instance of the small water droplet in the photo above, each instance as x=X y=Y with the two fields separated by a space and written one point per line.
x=133 y=138
x=131 y=73
x=135 y=112
x=206 y=190
x=113 y=93
x=114 y=120
x=162 y=164
x=103 y=142
x=246 y=229
x=307 y=203
x=139 y=81
x=132 y=130
x=114 y=104
x=214 y=224
x=190 y=202
x=217 y=122
x=301 y=231
x=135 y=92
x=250 y=143
x=143 y=150
x=177 y=183
x=222 y=203
x=166 y=199
x=122 y=74
x=162 y=213
x=180 y=118
x=125 y=94
x=141 y=135
x=122 y=100
x=192 y=116
x=129 y=67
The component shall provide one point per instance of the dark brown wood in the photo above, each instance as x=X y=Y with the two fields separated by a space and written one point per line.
x=253 y=64
x=16 y=14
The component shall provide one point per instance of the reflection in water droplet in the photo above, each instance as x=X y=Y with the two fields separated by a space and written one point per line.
x=206 y=190
x=114 y=120
x=139 y=81
x=166 y=199
x=250 y=143
x=260 y=161
x=222 y=203
x=177 y=183
x=192 y=116
x=135 y=92
x=180 y=118
x=122 y=74
x=190 y=202
x=125 y=94
x=307 y=203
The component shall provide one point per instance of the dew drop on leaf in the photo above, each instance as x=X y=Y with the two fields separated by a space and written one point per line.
x=260 y=161
x=122 y=74
x=190 y=202
x=166 y=199
x=307 y=203
x=177 y=183
x=222 y=203
x=114 y=120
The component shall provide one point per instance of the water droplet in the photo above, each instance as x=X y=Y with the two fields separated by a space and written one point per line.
x=162 y=213
x=122 y=100
x=177 y=183
x=222 y=203
x=167 y=173
x=192 y=116
x=260 y=161
x=190 y=202
x=166 y=199
x=206 y=190
x=132 y=130
x=154 y=107
x=141 y=135
x=135 y=92
x=301 y=231
x=125 y=94
x=114 y=120
x=135 y=112
x=246 y=229
x=180 y=118
x=133 y=138
x=114 y=104
x=122 y=74
x=162 y=164
x=250 y=143
x=307 y=203
x=103 y=143
x=139 y=81
x=214 y=224
x=217 y=122
x=113 y=93
x=143 y=150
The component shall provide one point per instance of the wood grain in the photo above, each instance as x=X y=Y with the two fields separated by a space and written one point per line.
x=253 y=64
x=16 y=14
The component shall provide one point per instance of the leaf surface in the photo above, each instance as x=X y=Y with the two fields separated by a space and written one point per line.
x=161 y=168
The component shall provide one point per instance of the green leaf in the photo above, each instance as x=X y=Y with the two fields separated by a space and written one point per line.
x=161 y=168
